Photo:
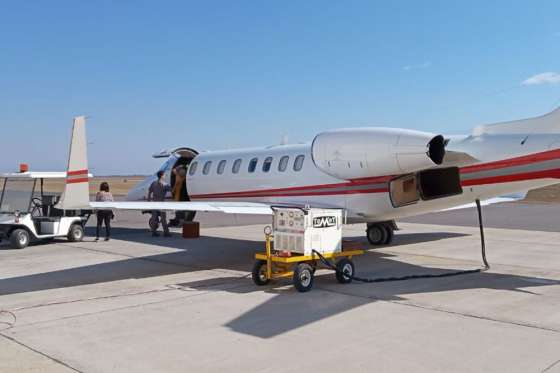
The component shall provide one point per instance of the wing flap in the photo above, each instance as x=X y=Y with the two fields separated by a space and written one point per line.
x=225 y=207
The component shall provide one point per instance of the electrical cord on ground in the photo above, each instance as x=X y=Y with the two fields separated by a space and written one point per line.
x=8 y=324
x=330 y=265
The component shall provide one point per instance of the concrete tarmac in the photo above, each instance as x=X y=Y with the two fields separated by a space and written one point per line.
x=144 y=304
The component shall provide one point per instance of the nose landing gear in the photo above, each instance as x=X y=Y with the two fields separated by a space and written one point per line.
x=381 y=233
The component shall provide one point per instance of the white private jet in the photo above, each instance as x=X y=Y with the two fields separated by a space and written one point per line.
x=374 y=174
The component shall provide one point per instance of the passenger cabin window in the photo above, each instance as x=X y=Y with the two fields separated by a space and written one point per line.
x=193 y=168
x=253 y=164
x=267 y=164
x=298 y=164
x=236 y=166
x=283 y=164
x=221 y=166
x=207 y=166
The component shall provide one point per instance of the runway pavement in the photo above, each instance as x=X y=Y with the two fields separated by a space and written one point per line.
x=144 y=304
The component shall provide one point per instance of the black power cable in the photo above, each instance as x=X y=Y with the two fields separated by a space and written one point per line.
x=330 y=265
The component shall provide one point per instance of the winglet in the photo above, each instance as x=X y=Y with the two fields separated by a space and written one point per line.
x=76 y=191
x=548 y=123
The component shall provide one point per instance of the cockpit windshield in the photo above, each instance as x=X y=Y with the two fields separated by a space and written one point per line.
x=16 y=195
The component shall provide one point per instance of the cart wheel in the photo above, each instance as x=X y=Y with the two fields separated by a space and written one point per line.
x=19 y=238
x=76 y=233
x=259 y=273
x=344 y=271
x=303 y=277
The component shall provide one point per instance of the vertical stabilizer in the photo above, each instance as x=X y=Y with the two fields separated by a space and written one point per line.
x=76 y=191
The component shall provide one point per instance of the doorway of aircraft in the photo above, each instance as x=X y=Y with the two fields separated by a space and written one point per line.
x=176 y=170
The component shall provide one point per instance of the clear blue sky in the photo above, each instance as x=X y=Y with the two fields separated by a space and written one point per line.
x=224 y=74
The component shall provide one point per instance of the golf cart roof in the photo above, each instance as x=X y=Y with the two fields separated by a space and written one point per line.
x=35 y=175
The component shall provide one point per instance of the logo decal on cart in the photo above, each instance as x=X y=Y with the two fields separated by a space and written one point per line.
x=324 y=221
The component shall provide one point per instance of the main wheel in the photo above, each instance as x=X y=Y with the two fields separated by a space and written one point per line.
x=390 y=234
x=76 y=233
x=19 y=238
x=259 y=273
x=303 y=277
x=376 y=234
x=344 y=271
x=153 y=223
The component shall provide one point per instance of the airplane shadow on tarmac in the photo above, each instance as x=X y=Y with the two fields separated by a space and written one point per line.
x=287 y=310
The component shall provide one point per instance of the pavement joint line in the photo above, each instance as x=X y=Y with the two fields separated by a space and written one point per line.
x=148 y=259
x=91 y=299
x=153 y=291
x=451 y=312
x=180 y=289
x=550 y=366
x=144 y=258
x=55 y=360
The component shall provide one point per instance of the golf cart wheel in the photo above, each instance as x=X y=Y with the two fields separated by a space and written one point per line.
x=76 y=233
x=344 y=271
x=19 y=238
x=259 y=273
x=303 y=277
x=376 y=234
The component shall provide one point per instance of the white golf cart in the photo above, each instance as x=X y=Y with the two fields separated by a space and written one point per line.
x=28 y=213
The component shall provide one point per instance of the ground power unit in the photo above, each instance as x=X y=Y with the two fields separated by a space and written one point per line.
x=301 y=231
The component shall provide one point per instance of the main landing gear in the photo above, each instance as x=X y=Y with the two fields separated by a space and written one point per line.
x=381 y=233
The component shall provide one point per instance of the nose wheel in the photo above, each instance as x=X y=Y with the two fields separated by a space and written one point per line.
x=380 y=233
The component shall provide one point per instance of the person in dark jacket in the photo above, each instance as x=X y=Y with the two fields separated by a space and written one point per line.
x=157 y=192
x=104 y=216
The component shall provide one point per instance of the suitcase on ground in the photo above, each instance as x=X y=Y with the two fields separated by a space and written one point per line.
x=191 y=229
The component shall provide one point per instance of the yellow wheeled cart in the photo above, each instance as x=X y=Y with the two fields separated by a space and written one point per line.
x=271 y=265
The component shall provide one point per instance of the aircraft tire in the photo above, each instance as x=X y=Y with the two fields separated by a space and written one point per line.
x=153 y=223
x=376 y=234
x=390 y=234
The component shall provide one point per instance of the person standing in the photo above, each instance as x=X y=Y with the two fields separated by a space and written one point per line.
x=157 y=193
x=179 y=189
x=104 y=216
x=179 y=193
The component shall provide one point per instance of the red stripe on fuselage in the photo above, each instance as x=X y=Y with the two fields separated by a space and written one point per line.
x=552 y=174
x=517 y=161
x=305 y=190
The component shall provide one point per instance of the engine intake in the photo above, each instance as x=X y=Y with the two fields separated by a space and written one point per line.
x=369 y=152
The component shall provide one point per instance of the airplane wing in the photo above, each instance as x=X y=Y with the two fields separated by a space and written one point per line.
x=225 y=207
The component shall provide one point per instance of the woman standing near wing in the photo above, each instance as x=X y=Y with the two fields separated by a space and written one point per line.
x=104 y=216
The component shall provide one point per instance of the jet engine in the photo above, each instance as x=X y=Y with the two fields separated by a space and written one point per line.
x=368 y=152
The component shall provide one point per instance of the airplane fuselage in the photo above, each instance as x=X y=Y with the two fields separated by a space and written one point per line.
x=290 y=175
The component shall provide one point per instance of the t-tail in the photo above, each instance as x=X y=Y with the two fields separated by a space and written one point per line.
x=76 y=190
